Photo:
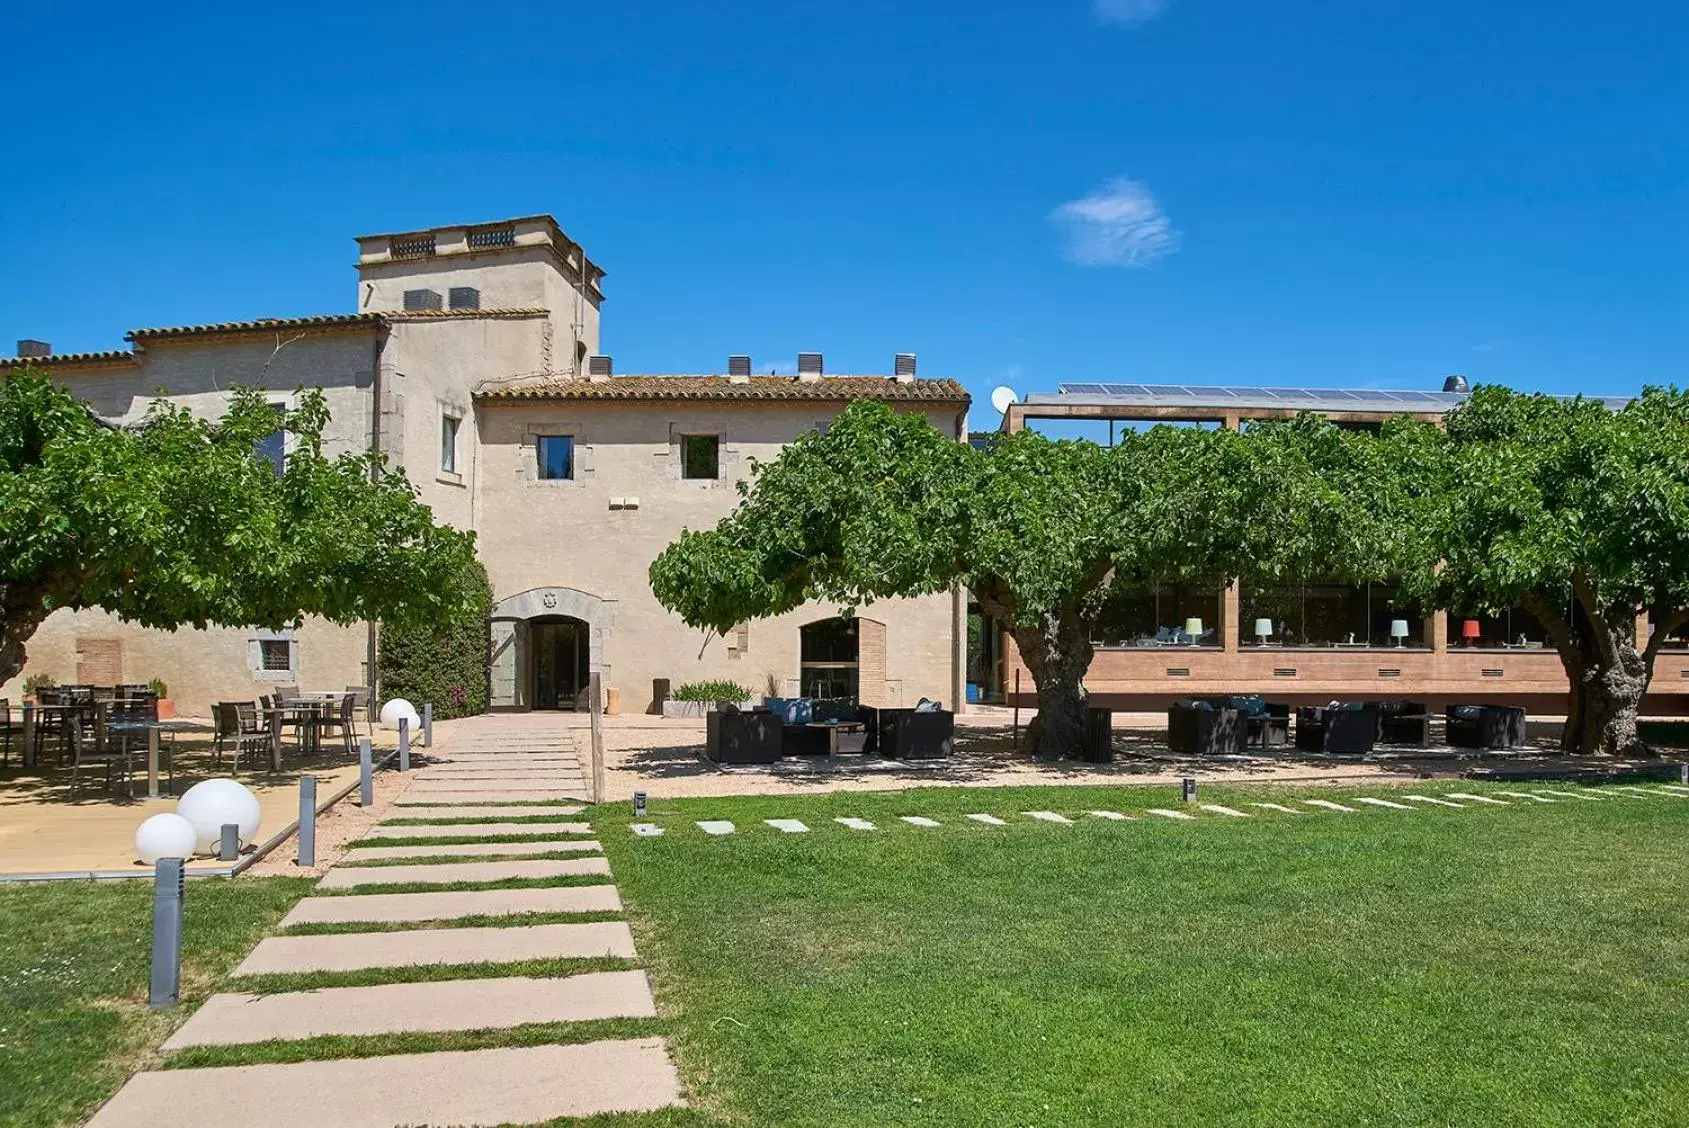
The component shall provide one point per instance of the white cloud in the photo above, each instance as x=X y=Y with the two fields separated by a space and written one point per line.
x=1119 y=224
x=774 y=367
x=1124 y=12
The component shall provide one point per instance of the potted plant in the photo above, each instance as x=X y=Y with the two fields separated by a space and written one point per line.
x=695 y=699
x=166 y=707
x=35 y=683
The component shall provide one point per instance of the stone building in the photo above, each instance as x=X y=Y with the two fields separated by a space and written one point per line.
x=473 y=362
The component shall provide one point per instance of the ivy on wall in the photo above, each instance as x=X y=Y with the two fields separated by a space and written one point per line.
x=444 y=662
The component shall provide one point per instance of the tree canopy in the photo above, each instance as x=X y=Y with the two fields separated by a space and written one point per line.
x=881 y=504
x=177 y=522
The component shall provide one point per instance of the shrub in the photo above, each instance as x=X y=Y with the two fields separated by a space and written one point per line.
x=158 y=688
x=35 y=683
x=444 y=662
x=711 y=691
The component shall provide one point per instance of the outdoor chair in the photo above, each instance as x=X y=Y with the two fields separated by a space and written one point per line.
x=925 y=732
x=1097 y=744
x=735 y=737
x=1201 y=727
x=6 y=733
x=125 y=723
x=360 y=701
x=1485 y=726
x=343 y=719
x=1403 y=722
x=238 y=729
x=1349 y=728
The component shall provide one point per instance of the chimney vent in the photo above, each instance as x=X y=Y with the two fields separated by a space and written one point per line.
x=738 y=365
x=809 y=366
x=903 y=367
x=29 y=347
x=599 y=367
x=421 y=300
x=464 y=297
x=1456 y=384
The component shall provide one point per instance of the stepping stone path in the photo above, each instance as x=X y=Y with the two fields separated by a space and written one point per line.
x=988 y=820
x=493 y=769
x=1112 y=816
x=921 y=820
x=1047 y=816
x=855 y=824
x=1221 y=810
x=1167 y=814
x=716 y=827
x=790 y=826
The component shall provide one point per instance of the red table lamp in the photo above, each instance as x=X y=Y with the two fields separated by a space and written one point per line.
x=1470 y=631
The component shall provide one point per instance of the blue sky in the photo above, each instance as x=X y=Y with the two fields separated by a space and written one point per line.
x=1195 y=191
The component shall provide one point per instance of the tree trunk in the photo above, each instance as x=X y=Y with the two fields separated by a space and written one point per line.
x=1057 y=653
x=23 y=606
x=1607 y=679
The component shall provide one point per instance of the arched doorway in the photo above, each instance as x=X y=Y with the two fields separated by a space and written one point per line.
x=560 y=650
x=830 y=658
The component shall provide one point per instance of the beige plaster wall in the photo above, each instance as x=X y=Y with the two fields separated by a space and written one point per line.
x=599 y=532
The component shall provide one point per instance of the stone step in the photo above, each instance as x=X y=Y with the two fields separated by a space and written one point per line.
x=446 y=873
x=526 y=1085
x=351 y=951
x=421 y=786
x=392 y=908
x=506 y=811
x=481 y=830
x=482 y=775
x=414 y=798
x=405 y=1008
x=474 y=850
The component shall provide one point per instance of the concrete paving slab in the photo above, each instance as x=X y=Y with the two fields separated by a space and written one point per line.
x=405 y=1008
x=1432 y=800
x=1047 y=816
x=446 y=873
x=1112 y=816
x=1169 y=814
x=1328 y=805
x=423 y=786
x=459 y=775
x=1279 y=807
x=988 y=820
x=526 y=1085
x=475 y=850
x=855 y=823
x=482 y=830
x=790 y=826
x=396 y=908
x=471 y=811
x=1222 y=809
x=466 y=797
x=1527 y=795
x=717 y=827
x=1576 y=795
x=350 y=951
x=920 y=820
x=1472 y=798
x=1371 y=802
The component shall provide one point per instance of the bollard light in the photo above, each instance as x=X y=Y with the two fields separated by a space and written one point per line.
x=404 y=744
x=307 y=822
x=168 y=885
x=428 y=724
x=366 y=774
x=228 y=843
x=639 y=804
x=1190 y=790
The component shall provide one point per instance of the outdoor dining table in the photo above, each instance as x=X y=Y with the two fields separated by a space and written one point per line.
x=305 y=714
x=33 y=711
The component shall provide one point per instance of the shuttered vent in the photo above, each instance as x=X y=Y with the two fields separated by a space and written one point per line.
x=492 y=237
x=738 y=366
x=1285 y=672
x=1178 y=671
x=1389 y=673
x=464 y=297
x=422 y=299
x=809 y=364
x=903 y=364
x=414 y=246
x=1489 y=673
x=599 y=366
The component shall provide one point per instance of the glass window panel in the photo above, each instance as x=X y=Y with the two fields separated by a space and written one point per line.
x=556 y=455
x=1158 y=616
x=1514 y=627
x=448 y=443
x=272 y=448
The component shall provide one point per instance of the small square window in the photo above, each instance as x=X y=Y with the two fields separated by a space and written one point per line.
x=448 y=443
x=700 y=456
x=557 y=456
x=272 y=448
x=275 y=654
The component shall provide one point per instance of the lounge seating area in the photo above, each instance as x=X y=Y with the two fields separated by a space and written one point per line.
x=803 y=726
x=1229 y=726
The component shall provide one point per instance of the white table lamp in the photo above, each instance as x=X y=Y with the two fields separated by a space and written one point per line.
x=1193 y=627
x=1263 y=630
x=1398 y=630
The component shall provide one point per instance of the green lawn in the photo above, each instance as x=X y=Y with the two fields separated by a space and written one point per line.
x=74 y=958
x=1526 y=965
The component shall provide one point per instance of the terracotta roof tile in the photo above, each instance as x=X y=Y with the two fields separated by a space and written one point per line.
x=833 y=389
x=110 y=358
x=323 y=321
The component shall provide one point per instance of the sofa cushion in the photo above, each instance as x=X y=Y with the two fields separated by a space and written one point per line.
x=792 y=710
x=1249 y=704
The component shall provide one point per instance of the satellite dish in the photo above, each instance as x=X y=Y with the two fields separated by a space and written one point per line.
x=1002 y=397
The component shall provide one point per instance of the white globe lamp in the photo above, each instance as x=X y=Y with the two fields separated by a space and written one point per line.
x=399 y=707
x=165 y=836
x=212 y=804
